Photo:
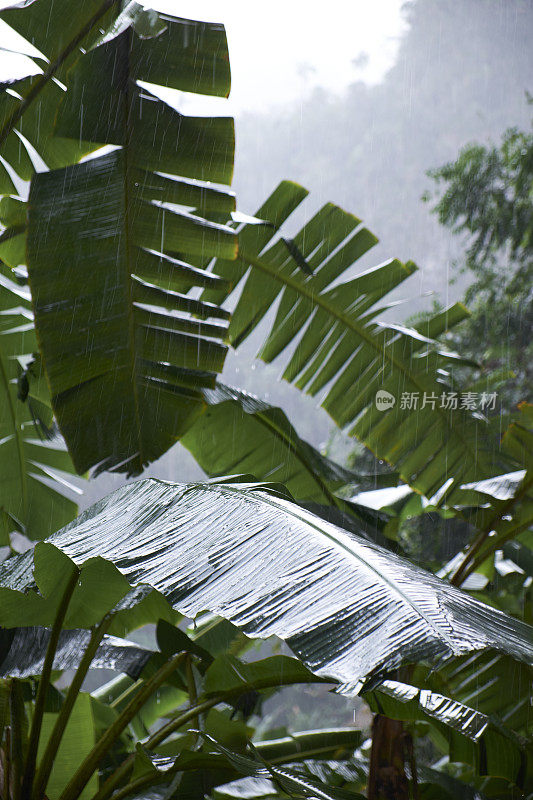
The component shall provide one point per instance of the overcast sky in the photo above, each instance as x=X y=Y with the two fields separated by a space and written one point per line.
x=281 y=49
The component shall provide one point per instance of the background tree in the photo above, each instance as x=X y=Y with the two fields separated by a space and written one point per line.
x=487 y=195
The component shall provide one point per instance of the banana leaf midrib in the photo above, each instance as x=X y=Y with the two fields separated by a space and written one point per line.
x=309 y=520
x=53 y=67
x=319 y=300
x=17 y=430
x=279 y=434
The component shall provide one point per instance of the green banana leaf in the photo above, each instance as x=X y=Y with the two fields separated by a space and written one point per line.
x=79 y=739
x=345 y=606
x=110 y=243
x=239 y=434
x=36 y=496
x=491 y=682
x=50 y=33
x=338 y=348
x=502 y=504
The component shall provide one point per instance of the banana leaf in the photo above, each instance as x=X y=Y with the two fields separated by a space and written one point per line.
x=111 y=241
x=345 y=606
x=22 y=652
x=241 y=434
x=328 y=320
x=36 y=494
x=472 y=737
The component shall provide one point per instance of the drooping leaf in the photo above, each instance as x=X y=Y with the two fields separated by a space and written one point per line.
x=492 y=683
x=240 y=434
x=127 y=385
x=345 y=606
x=334 y=743
x=472 y=736
x=228 y=674
x=291 y=781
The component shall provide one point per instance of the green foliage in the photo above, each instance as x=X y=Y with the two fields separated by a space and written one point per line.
x=115 y=268
x=486 y=194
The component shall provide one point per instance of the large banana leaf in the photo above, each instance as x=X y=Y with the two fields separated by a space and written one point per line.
x=345 y=606
x=35 y=494
x=110 y=242
x=337 y=347
x=239 y=434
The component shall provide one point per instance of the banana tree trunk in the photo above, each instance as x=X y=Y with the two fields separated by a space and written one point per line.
x=392 y=750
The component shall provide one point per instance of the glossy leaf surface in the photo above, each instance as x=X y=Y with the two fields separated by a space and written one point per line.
x=22 y=652
x=345 y=606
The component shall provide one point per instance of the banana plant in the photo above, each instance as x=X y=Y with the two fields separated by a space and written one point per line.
x=348 y=609
x=128 y=255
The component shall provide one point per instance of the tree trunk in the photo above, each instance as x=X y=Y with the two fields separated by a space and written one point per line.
x=392 y=749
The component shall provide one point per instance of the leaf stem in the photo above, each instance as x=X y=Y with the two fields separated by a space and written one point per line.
x=191 y=688
x=16 y=708
x=90 y=764
x=113 y=781
x=7 y=763
x=47 y=761
x=44 y=685
x=190 y=714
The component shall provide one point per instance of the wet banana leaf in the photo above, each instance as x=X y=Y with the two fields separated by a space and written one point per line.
x=291 y=781
x=503 y=503
x=110 y=242
x=334 y=743
x=48 y=36
x=36 y=495
x=492 y=683
x=344 y=353
x=345 y=606
x=22 y=652
x=240 y=434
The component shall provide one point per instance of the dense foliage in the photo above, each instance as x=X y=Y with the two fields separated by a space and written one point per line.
x=125 y=277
